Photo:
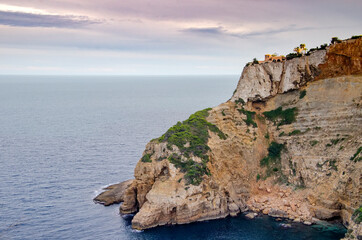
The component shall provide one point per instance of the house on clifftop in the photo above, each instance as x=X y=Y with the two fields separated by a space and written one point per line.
x=273 y=58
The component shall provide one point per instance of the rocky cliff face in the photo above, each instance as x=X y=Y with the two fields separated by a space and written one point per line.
x=286 y=144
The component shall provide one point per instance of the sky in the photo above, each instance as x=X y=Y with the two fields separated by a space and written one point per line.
x=162 y=37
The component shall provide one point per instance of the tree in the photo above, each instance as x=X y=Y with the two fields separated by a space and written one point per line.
x=335 y=40
x=298 y=50
x=303 y=48
x=255 y=61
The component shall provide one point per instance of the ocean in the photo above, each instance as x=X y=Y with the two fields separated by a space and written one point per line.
x=64 y=138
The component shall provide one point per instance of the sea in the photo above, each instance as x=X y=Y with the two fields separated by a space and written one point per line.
x=64 y=138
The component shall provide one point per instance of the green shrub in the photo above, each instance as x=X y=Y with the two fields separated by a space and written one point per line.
x=258 y=177
x=281 y=134
x=280 y=116
x=334 y=142
x=255 y=61
x=294 y=132
x=356 y=37
x=264 y=161
x=195 y=132
x=275 y=149
x=337 y=140
x=146 y=158
x=313 y=142
x=223 y=113
x=323 y=46
x=357 y=215
x=332 y=164
x=335 y=40
x=272 y=161
x=240 y=101
x=194 y=171
x=302 y=94
x=355 y=157
x=293 y=55
x=249 y=117
x=267 y=135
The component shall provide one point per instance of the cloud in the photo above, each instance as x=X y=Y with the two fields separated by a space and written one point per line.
x=208 y=30
x=221 y=31
x=21 y=19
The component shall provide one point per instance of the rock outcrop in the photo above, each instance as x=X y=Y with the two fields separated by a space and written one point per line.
x=287 y=144
x=113 y=194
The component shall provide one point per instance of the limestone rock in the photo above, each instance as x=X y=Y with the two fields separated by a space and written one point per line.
x=251 y=215
x=113 y=194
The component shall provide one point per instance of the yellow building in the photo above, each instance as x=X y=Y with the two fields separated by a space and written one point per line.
x=273 y=58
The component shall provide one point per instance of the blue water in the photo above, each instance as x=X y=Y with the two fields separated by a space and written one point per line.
x=64 y=138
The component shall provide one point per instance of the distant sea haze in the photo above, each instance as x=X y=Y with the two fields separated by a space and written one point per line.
x=64 y=138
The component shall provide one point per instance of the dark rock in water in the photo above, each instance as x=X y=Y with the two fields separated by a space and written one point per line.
x=113 y=194
x=286 y=225
x=251 y=215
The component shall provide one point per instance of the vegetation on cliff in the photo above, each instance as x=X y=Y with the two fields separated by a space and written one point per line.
x=272 y=160
x=249 y=117
x=355 y=157
x=280 y=116
x=191 y=137
x=146 y=158
x=194 y=171
x=357 y=215
x=302 y=94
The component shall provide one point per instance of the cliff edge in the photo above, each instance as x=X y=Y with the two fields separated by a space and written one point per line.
x=287 y=144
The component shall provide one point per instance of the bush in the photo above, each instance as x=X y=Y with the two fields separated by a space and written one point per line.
x=249 y=117
x=194 y=171
x=283 y=116
x=313 y=142
x=357 y=215
x=293 y=55
x=323 y=46
x=267 y=135
x=146 y=158
x=272 y=161
x=258 y=177
x=302 y=94
x=335 y=40
x=255 y=61
x=240 y=101
x=356 y=36
x=275 y=149
x=332 y=164
x=335 y=141
x=295 y=132
x=355 y=157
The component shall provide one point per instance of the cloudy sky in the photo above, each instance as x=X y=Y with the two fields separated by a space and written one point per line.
x=162 y=37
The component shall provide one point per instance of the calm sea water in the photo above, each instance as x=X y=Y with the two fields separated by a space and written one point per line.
x=64 y=138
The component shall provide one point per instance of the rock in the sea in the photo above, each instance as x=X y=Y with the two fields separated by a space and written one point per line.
x=251 y=215
x=286 y=225
x=113 y=193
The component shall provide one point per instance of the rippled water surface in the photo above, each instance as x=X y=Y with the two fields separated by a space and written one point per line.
x=64 y=138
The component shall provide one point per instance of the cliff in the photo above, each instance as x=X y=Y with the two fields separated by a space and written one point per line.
x=287 y=144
